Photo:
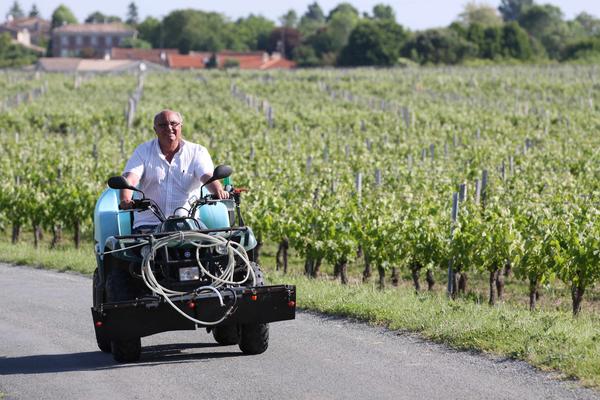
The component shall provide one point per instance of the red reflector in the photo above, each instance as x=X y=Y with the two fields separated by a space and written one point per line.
x=291 y=303
x=254 y=297
x=191 y=304
x=98 y=324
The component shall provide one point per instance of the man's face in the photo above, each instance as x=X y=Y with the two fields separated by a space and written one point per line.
x=168 y=128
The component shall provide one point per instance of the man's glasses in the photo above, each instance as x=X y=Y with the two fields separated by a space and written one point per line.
x=173 y=124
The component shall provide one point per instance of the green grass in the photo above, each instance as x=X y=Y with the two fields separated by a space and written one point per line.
x=548 y=339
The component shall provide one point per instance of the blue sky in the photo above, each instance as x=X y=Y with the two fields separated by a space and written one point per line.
x=414 y=14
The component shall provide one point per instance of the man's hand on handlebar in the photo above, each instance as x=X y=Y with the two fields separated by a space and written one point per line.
x=127 y=204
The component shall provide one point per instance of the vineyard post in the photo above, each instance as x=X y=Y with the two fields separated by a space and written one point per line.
x=484 y=182
x=432 y=152
x=308 y=164
x=454 y=218
x=477 y=191
x=377 y=177
x=358 y=187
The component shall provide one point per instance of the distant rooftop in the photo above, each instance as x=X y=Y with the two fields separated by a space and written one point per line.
x=95 y=28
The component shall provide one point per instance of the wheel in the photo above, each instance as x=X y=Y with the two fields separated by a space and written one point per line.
x=126 y=350
x=119 y=285
x=254 y=338
x=103 y=343
x=226 y=335
x=260 y=279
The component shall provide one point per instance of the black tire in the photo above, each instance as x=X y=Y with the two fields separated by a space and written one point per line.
x=126 y=350
x=103 y=343
x=260 y=279
x=254 y=338
x=119 y=284
x=226 y=335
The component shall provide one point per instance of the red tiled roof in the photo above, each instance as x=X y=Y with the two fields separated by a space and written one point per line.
x=93 y=28
x=279 y=63
x=152 y=55
x=29 y=22
x=185 y=61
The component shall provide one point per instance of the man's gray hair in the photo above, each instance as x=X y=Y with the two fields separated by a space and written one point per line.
x=157 y=116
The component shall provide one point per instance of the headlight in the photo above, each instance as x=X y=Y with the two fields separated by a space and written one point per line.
x=189 y=274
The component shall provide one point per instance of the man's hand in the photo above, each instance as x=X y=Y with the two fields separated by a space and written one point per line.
x=126 y=204
x=217 y=190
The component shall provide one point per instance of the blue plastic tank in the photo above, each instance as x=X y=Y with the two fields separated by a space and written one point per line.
x=108 y=219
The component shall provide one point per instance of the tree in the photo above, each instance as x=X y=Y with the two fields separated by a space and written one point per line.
x=99 y=18
x=15 y=10
x=511 y=10
x=383 y=12
x=483 y=14
x=34 y=12
x=343 y=8
x=439 y=46
x=62 y=15
x=373 y=43
x=150 y=30
x=289 y=19
x=197 y=30
x=515 y=42
x=312 y=20
x=589 y=23
x=253 y=32
x=545 y=23
x=14 y=55
x=132 y=14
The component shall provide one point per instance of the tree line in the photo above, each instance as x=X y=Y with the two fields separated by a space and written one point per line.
x=517 y=30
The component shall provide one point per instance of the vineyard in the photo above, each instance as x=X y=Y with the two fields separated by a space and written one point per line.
x=470 y=171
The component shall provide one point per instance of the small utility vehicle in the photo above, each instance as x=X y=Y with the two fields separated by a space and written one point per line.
x=196 y=269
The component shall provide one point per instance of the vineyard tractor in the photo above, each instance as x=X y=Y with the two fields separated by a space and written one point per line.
x=196 y=269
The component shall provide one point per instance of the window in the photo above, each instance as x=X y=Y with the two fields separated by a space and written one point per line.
x=108 y=41
x=64 y=40
x=94 y=40
x=79 y=40
x=64 y=53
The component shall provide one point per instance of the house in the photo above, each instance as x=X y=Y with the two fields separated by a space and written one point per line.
x=255 y=60
x=32 y=31
x=89 y=40
x=156 y=56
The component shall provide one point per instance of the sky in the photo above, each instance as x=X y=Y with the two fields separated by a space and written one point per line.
x=413 y=14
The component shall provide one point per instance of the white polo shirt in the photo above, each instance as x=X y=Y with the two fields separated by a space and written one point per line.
x=173 y=184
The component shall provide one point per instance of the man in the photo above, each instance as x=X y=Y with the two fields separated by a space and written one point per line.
x=168 y=170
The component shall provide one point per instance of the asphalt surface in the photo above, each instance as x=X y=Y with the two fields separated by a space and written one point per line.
x=48 y=351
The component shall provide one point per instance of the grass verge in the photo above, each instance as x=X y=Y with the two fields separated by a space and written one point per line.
x=550 y=340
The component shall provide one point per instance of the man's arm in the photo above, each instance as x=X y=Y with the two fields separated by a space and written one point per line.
x=216 y=188
x=126 y=194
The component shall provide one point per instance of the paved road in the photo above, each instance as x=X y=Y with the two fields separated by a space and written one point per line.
x=48 y=351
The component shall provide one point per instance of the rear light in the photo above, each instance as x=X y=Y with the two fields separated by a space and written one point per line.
x=98 y=324
x=291 y=304
x=191 y=305
x=254 y=297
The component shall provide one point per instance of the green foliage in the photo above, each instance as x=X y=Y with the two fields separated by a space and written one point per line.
x=62 y=15
x=253 y=32
x=135 y=43
x=99 y=18
x=482 y=14
x=197 y=30
x=512 y=10
x=132 y=14
x=289 y=19
x=34 y=12
x=14 y=55
x=150 y=30
x=438 y=46
x=383 y=12
x=373 y=43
